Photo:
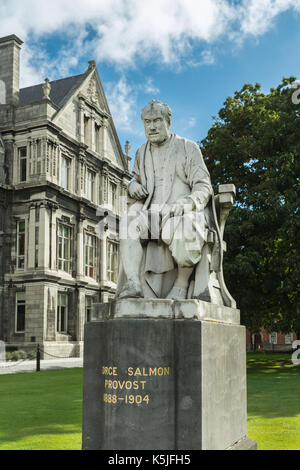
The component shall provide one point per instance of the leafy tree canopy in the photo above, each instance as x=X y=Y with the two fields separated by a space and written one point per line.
x=255 y=144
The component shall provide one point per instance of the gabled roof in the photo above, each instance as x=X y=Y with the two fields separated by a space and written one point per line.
x=60 y=89
x=62 y=92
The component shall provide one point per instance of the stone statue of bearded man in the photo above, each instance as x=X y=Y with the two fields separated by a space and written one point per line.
x=171 y=216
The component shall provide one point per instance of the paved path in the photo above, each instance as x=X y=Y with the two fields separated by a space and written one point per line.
x=47 y=364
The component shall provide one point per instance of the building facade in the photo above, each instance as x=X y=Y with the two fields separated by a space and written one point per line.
x=270 y=341
x=61 y=167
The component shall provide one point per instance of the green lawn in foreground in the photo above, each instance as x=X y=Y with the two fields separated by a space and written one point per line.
x=43 y=410
x=273 y=401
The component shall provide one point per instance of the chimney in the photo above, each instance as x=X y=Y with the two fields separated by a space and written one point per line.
x=10 y=47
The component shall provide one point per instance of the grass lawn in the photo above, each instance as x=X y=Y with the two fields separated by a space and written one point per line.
x=273 y=401
x=43 y=410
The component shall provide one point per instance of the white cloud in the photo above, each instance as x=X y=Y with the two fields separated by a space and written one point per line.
x=123 y=97
x=123 y=107
x=150 y=88
x=131 y=30
x=205 y=58
x=33 y=73
x=36 y=64
x=257 y=16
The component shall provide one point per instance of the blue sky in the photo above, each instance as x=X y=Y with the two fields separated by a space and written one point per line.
x=191 y=54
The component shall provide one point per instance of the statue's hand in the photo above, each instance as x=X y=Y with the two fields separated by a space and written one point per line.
x=182 y=206
x=137 y=191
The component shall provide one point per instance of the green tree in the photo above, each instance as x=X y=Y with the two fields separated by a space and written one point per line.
x=255 y=144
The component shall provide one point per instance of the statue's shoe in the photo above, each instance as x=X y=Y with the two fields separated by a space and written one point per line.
x=177 y=293
x=131 y=289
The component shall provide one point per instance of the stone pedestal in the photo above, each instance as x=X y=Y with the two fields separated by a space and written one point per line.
x=164 y=375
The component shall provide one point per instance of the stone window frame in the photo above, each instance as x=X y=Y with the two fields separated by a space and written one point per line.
x=20 y=302
x=61 y=222
x=112 y=271
x=92 y=300
x=64 y=157
x=58 y=312
x=36 y=245
x=92 y=172
x=92 y=123
x=112 y=201
x=37 y=235
x=18 y=256
x=19 y=150
x=88 y=233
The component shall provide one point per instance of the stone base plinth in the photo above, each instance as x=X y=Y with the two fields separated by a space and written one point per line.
x=163 y=383
x=167 y=309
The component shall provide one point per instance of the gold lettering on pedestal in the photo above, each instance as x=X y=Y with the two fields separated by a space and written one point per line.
x=114 y=386
x=148 y=371
x=109 y=370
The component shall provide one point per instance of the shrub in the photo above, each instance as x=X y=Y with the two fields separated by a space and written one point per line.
x=31 y=355
x=18 y=355
x=8 y=356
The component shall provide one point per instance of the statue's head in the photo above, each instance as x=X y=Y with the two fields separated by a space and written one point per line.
x=157 y=121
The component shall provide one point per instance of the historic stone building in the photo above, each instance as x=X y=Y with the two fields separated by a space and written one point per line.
x=60 y=160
